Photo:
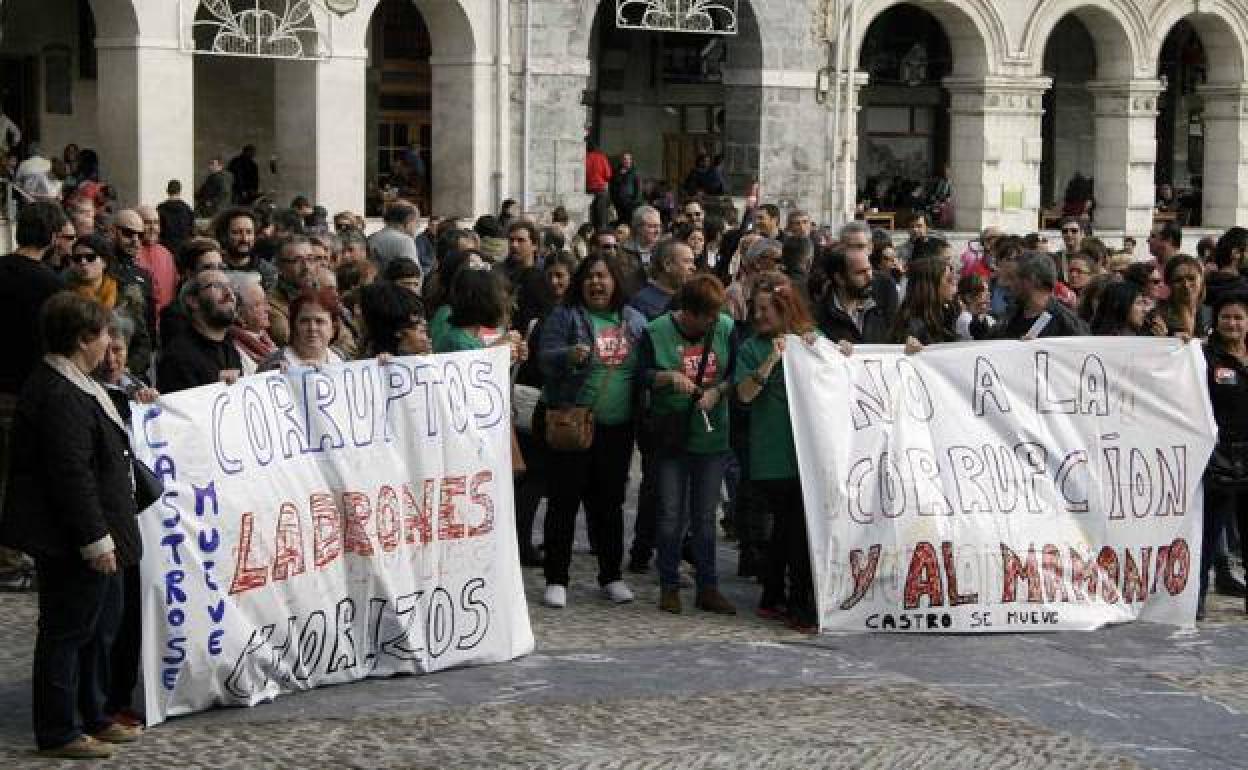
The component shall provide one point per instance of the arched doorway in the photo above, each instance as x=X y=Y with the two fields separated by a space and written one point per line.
x=668 y=90
x=1070 y=61
x=903 y=123
x=1200 y=125
x=400 y=107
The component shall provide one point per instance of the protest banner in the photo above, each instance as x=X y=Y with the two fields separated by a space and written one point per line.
x=1009 y=486
x=325 y=525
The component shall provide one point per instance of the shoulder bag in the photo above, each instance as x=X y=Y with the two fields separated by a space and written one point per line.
x=667 y=434
x=571 y=428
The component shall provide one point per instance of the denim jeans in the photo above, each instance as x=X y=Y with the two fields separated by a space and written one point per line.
x=689 y=487
x=1221 y=507
x=79 y=612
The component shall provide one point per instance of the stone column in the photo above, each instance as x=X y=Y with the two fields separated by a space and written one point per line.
x=1125 y=115
x=463 y=136
x=995 y=151
x=1226 y=154
x=321 y=120
x=146 y=117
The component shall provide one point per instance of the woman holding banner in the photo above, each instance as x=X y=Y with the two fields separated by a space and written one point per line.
x=927 y=314
x=1121 y=311
x=588 y=358
x=1226 y=477
x=478 y=316
x=71 y=505
x=686 y=361
x=315 y=315
x=759 y=376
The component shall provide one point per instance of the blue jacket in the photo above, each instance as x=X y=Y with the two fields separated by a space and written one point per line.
x=566 y=327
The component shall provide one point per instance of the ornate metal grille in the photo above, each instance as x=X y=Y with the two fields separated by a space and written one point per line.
x=707 y=17
x=276 y=29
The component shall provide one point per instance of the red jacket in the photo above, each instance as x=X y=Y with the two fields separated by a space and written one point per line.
x=597 y=171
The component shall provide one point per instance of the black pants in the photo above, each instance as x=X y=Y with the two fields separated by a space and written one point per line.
x=1221 y=506
x=596 y=478
x=79 y=611
x=124 y=657
x=600 y=211
x=788 y=552
x=646 y=525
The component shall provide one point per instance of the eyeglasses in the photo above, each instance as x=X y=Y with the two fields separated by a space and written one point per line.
x=608 y=246
x=66 y=236
x=1154 y=281
x=222 y=285
x=84 y=256
x=150 y=222
x=1070 y=231
x=126 y=232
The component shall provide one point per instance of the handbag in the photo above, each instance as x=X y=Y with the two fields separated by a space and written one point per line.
x=1228 y=465
x=147 y=485
x=571 y=428
x=667 y=434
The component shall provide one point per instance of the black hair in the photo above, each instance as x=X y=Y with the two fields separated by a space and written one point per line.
x=1171 y=232
x=388 y=310
x=221 y=225
x=67 y=318
x=398 y=269
x=1235 y=239
x=38 y=224
x=287 y=220
x=399 y=213
x=576 y=290
x=1114 y=308
x=478 y=298
x=487 y=226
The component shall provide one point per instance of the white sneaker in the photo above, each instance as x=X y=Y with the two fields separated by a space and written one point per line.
x=556 y=596
x=618 y=592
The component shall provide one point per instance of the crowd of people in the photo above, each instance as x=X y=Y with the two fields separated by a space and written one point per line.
x=663 y=335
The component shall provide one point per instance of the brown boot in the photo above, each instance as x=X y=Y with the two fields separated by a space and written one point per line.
x=82 y=747
x=711 y=600
x=669 y=600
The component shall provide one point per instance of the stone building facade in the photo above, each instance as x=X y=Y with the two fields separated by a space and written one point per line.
x=1013 y=97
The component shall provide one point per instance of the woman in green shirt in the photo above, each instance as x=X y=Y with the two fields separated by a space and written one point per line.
x=588 y=357
x=478 y=316
x=778 y=310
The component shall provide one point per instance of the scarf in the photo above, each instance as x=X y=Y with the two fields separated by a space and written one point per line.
x=70 y=371
x=106 y=295
x=256 y=345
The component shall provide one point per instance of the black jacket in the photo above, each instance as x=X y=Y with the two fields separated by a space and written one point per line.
x=70 y=482
x=1228 y=393
x=1064 y=323
x=837 y=326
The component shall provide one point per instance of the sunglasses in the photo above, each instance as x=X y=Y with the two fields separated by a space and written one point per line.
x=1070 y=231
x=81 y=257
x=127 y=232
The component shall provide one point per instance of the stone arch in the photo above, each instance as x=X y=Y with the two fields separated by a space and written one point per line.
x=115 y=18
x=1118 y=28
x=1223 y=31
x=581 y=40
x=450 y=29
x=975 y=30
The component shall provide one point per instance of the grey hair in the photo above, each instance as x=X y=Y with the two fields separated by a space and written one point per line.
x=763 y=246
x=121 y=325
x=639 y=215
x=1037 y=267
x=352 y=237
x=241 y=279
x=856 y=227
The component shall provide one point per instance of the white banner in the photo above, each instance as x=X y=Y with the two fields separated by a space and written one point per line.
x=1006 y=486
x=323 y=526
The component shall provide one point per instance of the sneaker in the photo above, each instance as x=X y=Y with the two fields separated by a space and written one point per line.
x=669 y=600
x=556 y=596
x=82 y=747
x=118 y=733
x=711 y=600
x=618 y=592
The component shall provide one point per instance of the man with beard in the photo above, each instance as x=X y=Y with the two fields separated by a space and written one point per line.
x=204 y=353
x=235 y=230
x=847 y=310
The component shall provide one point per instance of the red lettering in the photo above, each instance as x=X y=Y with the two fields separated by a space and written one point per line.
x=417 y=516
x=388 y=519
x=1135 y=577
x=1107 y=563
x=356 y=512
x=326 y=530
x=246 y=575
x=923 y=578
x=1179 y=568
x=863 y=574
x=448 y=527
x=1016 y=569
x=1083 y=573
x=288 y=561
x=482 y=499
x=951 y=578
x=1051 y=566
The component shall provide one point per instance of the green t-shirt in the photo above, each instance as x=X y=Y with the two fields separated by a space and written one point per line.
x=613 y=352
x=440 y=324
x=772 y=453
x=672 y=352
x=457 y=338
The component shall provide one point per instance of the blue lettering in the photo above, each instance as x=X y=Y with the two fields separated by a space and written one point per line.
x=227 y=464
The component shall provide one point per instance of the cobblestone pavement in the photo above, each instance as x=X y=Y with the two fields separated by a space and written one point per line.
x=630 y=687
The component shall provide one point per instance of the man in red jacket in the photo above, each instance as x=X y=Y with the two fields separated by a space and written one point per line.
x=597 y=177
